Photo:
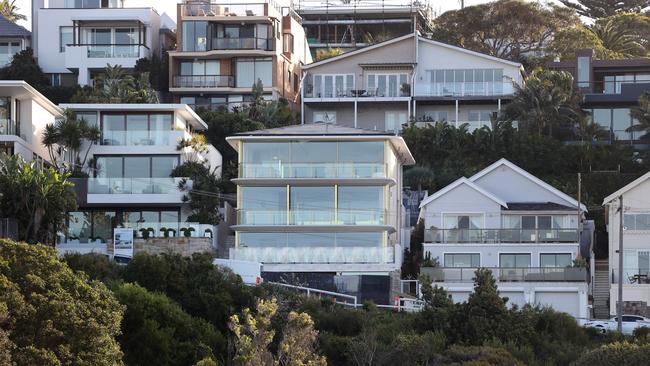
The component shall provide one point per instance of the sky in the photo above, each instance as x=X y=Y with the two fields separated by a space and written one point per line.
x=169 y=7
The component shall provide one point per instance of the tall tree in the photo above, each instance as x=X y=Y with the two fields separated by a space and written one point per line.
x=37 y=198
x=64 y=141
x=595 y=9
x=642 y=114
x=9 y=10
x=55 y=316
x=23 y=66
x=509 y=29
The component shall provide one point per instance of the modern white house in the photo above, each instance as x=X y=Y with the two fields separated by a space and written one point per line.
x=75 y=39
x=411 y=77
x=321 y=205
x=13 y=39
x=636 y=246
x=24 y=113
x=129 y=183
x=521 y=228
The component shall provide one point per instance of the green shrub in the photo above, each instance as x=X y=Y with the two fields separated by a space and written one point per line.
x=96 y=266
x=156 y=331
x=618 y=353
x=480 y=356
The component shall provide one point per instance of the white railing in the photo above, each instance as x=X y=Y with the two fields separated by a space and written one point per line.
x=133 y=185
x=488 y=88
x=316 y=255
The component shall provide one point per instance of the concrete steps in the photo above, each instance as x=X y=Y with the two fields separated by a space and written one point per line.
x=600 y=290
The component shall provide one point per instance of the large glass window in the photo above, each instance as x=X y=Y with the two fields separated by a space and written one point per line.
x=135 y=166
x=5 y=116
x=195 y=36
x=387 y=85
x=636 y=221
x=136 y=129
x=514 y=260
x=263 y=205
x=250 y=70
x=79 y=226
x=466 y=82
x=555 y=260
x=312 y=205
x=463 y=260
x=621 y=121
x=65 y=37
x=361 y=205
x=584 y=71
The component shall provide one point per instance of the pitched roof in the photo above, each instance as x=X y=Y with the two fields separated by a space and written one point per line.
x=9 y=29
x=470 y=52
x=626 y=188
x=529 y=176
x=316 y=129
x=457 y=183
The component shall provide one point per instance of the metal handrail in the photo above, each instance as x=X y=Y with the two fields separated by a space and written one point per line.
x=203 y=81
x=309 y=291
x=509 y=274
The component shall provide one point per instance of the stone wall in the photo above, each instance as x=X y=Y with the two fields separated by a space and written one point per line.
x=180 y=245
x=636 y=308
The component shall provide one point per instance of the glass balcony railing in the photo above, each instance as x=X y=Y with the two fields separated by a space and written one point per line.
x=479 y=236
x=502 y=274
x=312 y=217
x=113 y=51
x=631 y=275
x=315 y=255
x=264 y=44
x=463 y=89
x=133 y=185
x=154 y=229
x=203 y=81
x=312 y=170
x=136 y=138
x=350 y=92
x=7 y=127
x=225 y=9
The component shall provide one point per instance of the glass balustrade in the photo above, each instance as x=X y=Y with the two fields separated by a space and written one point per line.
x=113 y=51
x=312 y=170
x=323 y=254
x=312 y=217
x=136 y=138
x=501 y=235
x=503 y=274
x=133 y=185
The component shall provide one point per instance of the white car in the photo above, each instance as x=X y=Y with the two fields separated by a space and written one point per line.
x=630 y=323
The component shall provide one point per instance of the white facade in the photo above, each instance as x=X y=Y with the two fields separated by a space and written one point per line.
x=71 y=43
x=636 y=243
x=509 y=221
x=129 y=183
x=408 y=78
x=24 y=113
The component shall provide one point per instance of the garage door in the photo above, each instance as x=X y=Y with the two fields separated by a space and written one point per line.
x=567 y=302
x=514 y=298
x=460 y=296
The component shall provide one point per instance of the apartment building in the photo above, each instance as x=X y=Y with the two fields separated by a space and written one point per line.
x=223 y=49
x=384 y=86
x=129 y=183
x=13 y=39
x=636 y=246
x=521 y=228
x=74 y=40
x=610 y=89
x=349 y=25
x=24 y=113
x=321 y=205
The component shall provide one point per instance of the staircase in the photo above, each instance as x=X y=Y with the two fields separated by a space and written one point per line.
x=601 y=289
x=224 y=250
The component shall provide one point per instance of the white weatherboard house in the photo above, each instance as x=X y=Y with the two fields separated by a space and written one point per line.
x=24 y=113
x=636 y=246
x=513 y=223
x=130 y=185
x=74 y=39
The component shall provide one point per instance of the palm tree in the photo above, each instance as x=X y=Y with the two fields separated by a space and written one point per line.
x=115 y=84
x=642 y=115
x=64 y=140
x=621 y=35
x=546 y=101
x=9 y=10
x=419 y=176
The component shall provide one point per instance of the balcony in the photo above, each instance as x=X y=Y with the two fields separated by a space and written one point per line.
x=134 y=186
x=312 y=170
x=142 y=138
x=404 y=91
x=469 y=89
x=631 y=276
x=470 y=125
x=8 y=127
x=496 y=236
x=315 y=255
x=223 y=10
x=113 y=51
x=311 y=217
x=203 y=81
x=96 y=56
x=502 y=274
x=263 y=44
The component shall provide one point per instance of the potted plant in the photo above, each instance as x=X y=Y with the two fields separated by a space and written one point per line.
x=207 y=233
x=405 y=89
x=577 y=271
x=165 y=232
x=431 y=267
x=146 y=232
x=187 y=232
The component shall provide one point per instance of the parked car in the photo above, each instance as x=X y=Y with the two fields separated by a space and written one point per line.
x=630 y=323
x=250 y=272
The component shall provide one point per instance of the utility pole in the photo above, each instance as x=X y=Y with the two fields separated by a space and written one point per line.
x=619 y=306
x=579 y=208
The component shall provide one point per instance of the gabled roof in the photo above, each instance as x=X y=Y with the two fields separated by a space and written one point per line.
x=470 y=52
x=9 y=29
x=626 y=188
x=20 y=89
x=358 y=51
x=457 y=183
x=530 y=177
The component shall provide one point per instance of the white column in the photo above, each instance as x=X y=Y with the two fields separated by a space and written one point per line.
x=457 y=113
x=355 y=113
x=499 y=105
x=408 y=115
x=84 y=76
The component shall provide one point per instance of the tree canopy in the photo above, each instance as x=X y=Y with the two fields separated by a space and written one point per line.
x=52 y=315
x=595 y=9
x=9 y=10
